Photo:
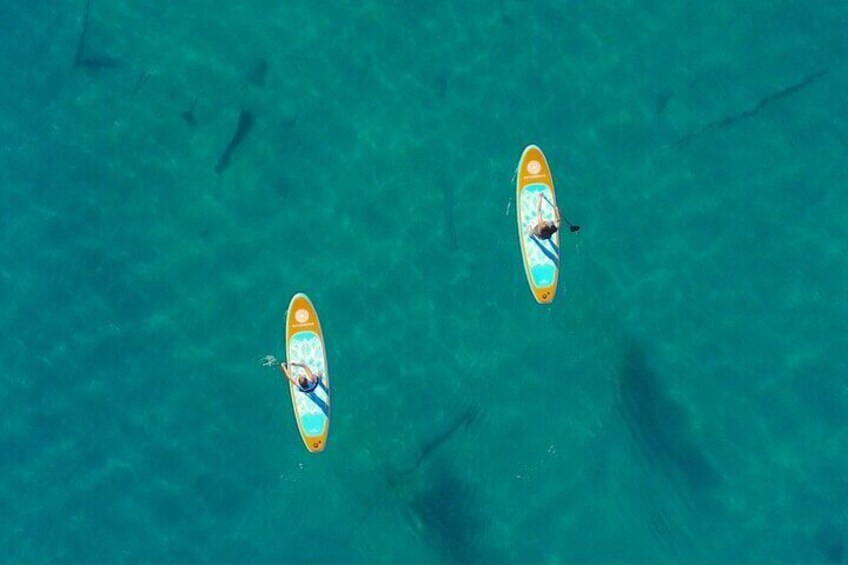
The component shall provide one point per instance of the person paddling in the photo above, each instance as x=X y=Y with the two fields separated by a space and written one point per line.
x=304 y=384
x=545 y=229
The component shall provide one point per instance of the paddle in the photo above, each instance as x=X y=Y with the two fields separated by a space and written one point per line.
x=572 y=227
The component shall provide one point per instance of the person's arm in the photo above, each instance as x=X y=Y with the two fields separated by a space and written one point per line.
x=286 y=372
x=309 y=374
x=557 y=219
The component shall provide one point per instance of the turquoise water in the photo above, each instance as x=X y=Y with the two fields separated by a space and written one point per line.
x=682 y=400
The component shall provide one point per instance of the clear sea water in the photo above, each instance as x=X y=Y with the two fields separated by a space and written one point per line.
x=684 y=399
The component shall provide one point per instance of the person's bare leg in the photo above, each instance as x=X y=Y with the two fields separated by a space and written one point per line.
x=539 y=209
x=534 y=227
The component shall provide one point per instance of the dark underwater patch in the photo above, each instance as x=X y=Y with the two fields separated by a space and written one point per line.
x=659 y=424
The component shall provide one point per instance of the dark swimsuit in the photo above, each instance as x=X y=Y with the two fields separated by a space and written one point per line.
x=312 y=386
x=547 y=231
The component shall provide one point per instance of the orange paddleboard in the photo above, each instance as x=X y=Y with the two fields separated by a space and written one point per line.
x=533 y=181
x=305 y=344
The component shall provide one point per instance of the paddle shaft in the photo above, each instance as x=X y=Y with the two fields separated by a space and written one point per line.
x=573 y=227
